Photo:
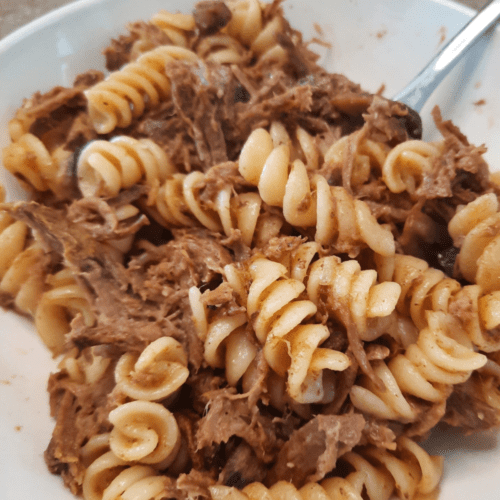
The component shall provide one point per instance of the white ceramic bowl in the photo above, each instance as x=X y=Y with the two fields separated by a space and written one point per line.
x=383 y=42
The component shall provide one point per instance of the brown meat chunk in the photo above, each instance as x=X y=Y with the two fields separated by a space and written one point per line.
x=228 y=416
x=81 y=411
x=211 y=16
x=312 y=451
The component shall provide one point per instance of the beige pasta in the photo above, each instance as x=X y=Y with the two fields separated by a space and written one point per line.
x=154 y=375
x=106 y=167
x=29 y=160
x=408 y=163
x=21 y=273
x=422 y=288
x=109 y=478
x=144 y=432
x=247 y=25
x=246 y=20
x=344 y=286
x=268 y=167
x=125 y=94
x=291 y=346
x=409 y=472
x=442 y=357
x=57 y=306
x=339 y=219
x=368 y=157
x=428 y=289
x=221 y=48
x=178 y=204
x=175 y=26
x=303 y=146
x=86 y=368
x=475 y=229
x=226 y=345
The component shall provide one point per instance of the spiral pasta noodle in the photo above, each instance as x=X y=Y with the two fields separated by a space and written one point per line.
x=427 y=289
x=407 y=164
x=29 y=160
x=344 y=285
x=20 y=274
x=110 y=478
x=226 y=344
x=369 y=156
x=246 y=20
x=408 y=472
x=63 y=300
x=85 y=369
x=339 y=219
x=475 y=230
x=175 y=26
x=221 y=48
x=178 y=204
x=422 y=288
x=144 y=432
x=302 y=144
x=106 y=167
x=154 y=375
x=291 y=347
x=125 y=94
x=442 y=357
x=247 y=25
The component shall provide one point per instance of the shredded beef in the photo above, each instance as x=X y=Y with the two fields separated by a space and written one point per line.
x=312 y=451
x=465 y=409
x=229 y=416
x=81 y=411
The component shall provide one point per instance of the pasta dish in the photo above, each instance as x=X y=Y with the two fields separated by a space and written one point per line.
x=258 y=279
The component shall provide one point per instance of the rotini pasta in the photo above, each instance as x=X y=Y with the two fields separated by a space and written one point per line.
x=176 y=26
x=144 y=432
x=291 y=347
x=368 y=156
x=29 y=160
x=86 y=369
x=19 y=276
x=339 y=219
x=226 y=344
x=442 y=357
x=154 y=375
x=110 y=478
x=428 y=289
x=178 y=204
x=57 y=306
x=344 y=286
x=221 y=48
x=126 y=93
x=475 y=230
x=247 y=25
x=407 y=164
x=246 y=20
x=106 y=167
x=408 y=472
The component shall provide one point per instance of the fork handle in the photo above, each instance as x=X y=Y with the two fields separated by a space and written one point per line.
x=421 y=87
